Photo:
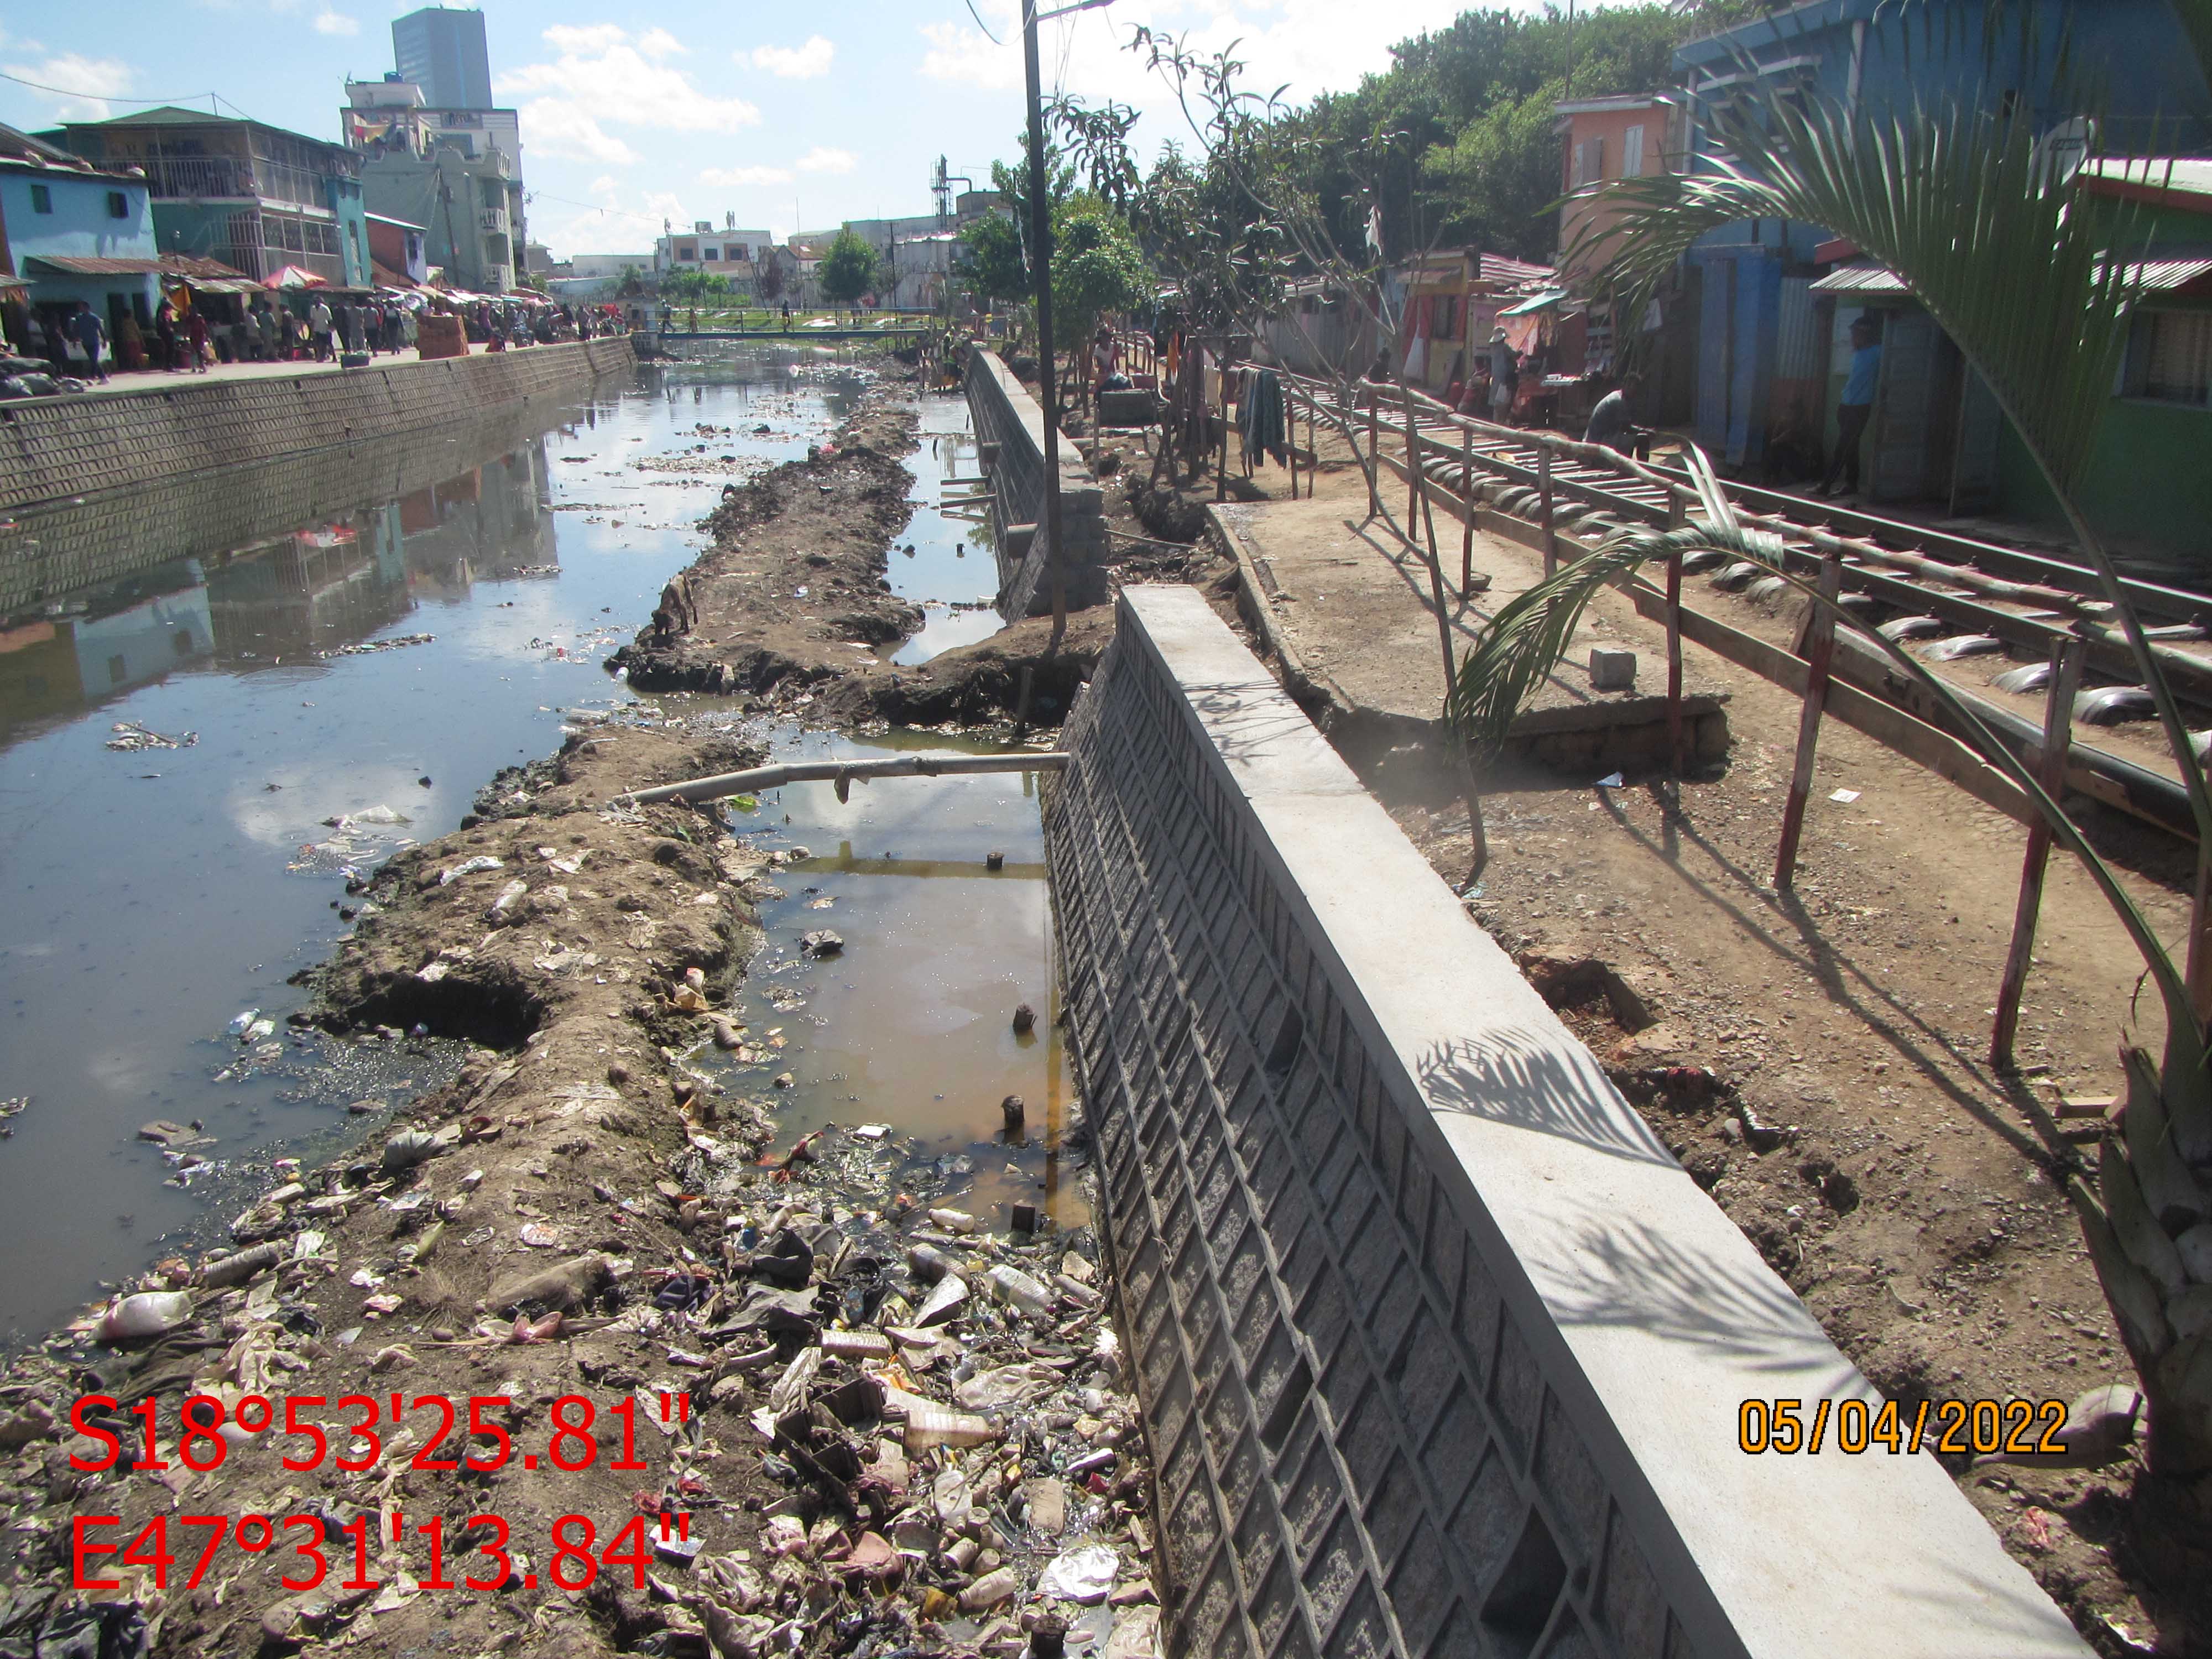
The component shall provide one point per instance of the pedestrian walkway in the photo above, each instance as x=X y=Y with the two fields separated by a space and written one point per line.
x=150 y=379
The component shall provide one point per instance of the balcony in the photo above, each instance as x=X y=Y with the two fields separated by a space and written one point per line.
x=492 y=222
x=198 y=176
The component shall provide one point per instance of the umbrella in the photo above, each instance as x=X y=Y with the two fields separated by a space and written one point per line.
x=296 y=276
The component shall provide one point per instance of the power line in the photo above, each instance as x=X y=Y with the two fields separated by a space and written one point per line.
x=981 y=25
x=109 y=97
x=595 y=207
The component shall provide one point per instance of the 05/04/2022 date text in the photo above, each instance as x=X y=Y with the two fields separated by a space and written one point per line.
x=471 y=1434
x=2013 y=1428
x=184 y=1547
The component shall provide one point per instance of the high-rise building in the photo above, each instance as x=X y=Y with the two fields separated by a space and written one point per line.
x=442 y=51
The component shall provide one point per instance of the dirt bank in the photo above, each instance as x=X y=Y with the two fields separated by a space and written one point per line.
x=793 y=590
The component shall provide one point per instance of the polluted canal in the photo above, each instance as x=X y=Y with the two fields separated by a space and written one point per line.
x=342 y=691
x=684 y=1230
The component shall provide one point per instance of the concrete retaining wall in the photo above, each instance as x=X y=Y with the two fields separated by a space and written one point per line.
x=62 y=547
x=1439 y=1351
x=1010 y=423
x=54 y=448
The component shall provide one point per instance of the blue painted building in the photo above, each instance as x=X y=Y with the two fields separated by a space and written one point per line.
x=1766 y=335
x=70 y=231
x=252 y=197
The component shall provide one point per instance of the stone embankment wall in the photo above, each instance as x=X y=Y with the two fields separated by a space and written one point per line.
x=1440 y=1352
x=1010 y=426
x=61 y=547
x=54 y=448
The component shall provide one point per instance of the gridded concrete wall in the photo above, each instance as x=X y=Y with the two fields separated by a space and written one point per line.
x=1007 y=417
x=53 y=448
x=1439 y=1351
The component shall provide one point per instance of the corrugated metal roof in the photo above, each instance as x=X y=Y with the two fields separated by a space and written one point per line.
x=1861 y=279
x=81 y=264
x=2175 y=175
x=2153 y=276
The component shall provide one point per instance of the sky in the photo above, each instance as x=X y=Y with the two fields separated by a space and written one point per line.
x=790 y=116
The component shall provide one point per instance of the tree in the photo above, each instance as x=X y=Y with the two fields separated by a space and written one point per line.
x=768 y=275
x=990 y=259
x=631 y=283
x=1096 y=267
x=2037 y=300
x=695 y=287
x=848 y=270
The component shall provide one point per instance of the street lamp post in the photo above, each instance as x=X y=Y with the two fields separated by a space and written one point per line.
x=1040 y=274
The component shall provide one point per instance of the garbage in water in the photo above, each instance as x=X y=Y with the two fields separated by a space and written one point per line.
x=130 y=738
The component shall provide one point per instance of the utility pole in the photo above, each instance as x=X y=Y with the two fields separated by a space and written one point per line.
x=1040 y=274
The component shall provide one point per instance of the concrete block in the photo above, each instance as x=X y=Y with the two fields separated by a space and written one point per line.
x=1611 y=670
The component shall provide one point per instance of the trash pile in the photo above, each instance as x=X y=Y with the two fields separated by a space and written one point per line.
x=130 y=738
x=370 y=648
x=896 y=1432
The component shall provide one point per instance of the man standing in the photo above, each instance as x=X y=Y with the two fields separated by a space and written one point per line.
x=1608 y=422
x=319 y=325
x=1855 y=407
x=1505 y=376
x=89 y=332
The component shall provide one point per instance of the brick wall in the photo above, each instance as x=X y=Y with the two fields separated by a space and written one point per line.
x=54 y=448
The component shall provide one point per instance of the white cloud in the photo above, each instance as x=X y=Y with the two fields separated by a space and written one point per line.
x=599 y=73
x=737 y=178
x=821 y=159
x=556 y=127
x=87 y=83
x=328 y=21
x=965 y=56
x=794 y=62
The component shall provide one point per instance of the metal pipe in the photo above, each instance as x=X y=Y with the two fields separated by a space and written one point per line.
x=904 y=766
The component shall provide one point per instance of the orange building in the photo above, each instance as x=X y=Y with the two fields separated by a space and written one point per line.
x=1625 y=137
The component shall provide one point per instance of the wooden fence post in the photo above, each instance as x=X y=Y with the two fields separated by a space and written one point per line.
x=1820 y=651
x=1675 y=520
x=1544 y=507
x=1414 y=476
x=1467 y=494
x=1413 y=468
x=1375 y=454
x=1674 y=743
x=2050 y=772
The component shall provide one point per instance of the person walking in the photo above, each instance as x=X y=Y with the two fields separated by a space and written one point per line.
x=89 y=332
x=318 y=327
x=196 y=336
x=1855 y=407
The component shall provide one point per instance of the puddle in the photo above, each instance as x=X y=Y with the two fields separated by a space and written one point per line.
x=911 y=1024
x=952 y=564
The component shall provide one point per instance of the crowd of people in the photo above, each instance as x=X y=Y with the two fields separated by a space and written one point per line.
x=309 y=326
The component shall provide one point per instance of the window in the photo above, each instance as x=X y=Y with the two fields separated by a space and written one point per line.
x=1589 y=162
x=1443 y=317
x=118 y=205
x=712 y=255
x=2170 y=358
x=688 y=251
x=1632 y=153
x=42 y=198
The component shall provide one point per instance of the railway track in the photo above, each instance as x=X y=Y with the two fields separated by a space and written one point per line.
x=1956 y=597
